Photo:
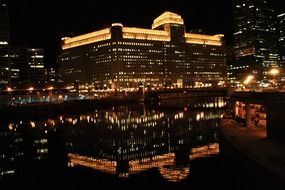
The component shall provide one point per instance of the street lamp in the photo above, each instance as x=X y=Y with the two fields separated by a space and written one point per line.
x=248 y=79
x=274 y=72
x=9 y=89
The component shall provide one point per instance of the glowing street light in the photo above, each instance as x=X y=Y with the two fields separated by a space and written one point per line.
x=9 y=89
x=274 y=72
x=248 y=79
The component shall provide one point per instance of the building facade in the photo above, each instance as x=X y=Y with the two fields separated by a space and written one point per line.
x=18 y=67
x=35 y=61
x=27 y=65
x=255 y=40
x=281 y=40
x=4 y=44
x=121 y=57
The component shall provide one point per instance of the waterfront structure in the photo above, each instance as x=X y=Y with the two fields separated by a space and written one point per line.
x=255 y=39
x=4 y=44
x=122 y=57
x=27 y=65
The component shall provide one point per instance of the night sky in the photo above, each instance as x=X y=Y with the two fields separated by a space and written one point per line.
x=41 y=23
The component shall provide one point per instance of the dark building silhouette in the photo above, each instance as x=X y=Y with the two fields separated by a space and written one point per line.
x=4 y=43
x=27 y=65
x=122 y=57
x=255 y=39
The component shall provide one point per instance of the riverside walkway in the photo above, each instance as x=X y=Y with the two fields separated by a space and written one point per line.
x=252 y=143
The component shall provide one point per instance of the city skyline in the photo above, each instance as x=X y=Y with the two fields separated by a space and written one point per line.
x=42 y=24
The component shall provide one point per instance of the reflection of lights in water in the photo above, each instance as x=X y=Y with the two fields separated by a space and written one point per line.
x=205 y=151
x=70 y=120
x=98 y=164
x=61 y=119
x=33 y=125
x=51 y=122
x=179 y=115
x=74 y=121
x=174 y=174
x=11 y=126
x=200 y=115
x=165 y=163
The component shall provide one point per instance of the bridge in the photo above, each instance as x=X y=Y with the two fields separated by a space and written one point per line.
x=185 y=93
x=274 y=104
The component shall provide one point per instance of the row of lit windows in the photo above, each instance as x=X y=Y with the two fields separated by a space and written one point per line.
x=137 y=80
x=145 y=37
x=84 y=41
x=240 y=67
x=207 y=73
x=102 y=45
x=136 y=44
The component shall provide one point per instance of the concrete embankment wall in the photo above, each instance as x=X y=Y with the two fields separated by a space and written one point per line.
x=257 y=174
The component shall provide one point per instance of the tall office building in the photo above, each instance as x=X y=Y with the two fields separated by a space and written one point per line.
x=122 y=57
x=18 y=63
x=281 y=40
x=35 y=61
x=255 y=39
x=27 y=65
x=4 y=44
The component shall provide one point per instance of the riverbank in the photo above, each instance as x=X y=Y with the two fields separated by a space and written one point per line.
x=66 y=107
x=261 y=158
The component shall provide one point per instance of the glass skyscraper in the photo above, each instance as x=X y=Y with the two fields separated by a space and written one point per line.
x=255 y=40
x=281 y=40
x=4 y=44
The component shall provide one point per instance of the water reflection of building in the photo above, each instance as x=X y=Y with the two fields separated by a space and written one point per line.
x=26 y=145
x=11 y=151
x=123 y=141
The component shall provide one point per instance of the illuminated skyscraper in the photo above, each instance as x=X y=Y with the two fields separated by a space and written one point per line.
x=121 y=57
x=27 y=65
x=281 y=40
x=35 y=61
x=255 y=39
x=4 y=43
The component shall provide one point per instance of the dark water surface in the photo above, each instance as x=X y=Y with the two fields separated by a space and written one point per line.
x=170 y=145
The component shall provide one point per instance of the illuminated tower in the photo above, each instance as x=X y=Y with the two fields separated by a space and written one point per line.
x=281 y=39
x=4 y=44
x=27 y=64
x=255 y=39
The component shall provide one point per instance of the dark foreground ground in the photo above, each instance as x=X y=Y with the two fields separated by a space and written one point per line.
x=212 y=172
